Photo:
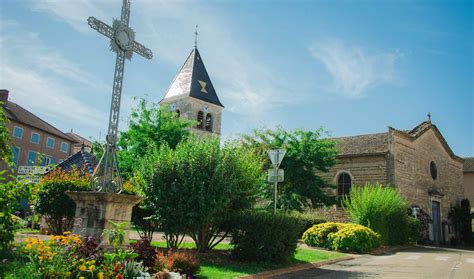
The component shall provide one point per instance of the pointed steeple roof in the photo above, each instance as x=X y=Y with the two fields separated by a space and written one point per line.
x=193 y=81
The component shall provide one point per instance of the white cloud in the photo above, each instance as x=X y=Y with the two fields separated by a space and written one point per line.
x=40 y=78
x=245 y=84
x=73 y=12
x=353 y=69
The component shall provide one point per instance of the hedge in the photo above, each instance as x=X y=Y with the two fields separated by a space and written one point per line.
x=264 y=237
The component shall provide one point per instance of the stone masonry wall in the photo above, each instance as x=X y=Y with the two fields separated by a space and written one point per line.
x=189 y=108
x=412 y=171
x=363 y=169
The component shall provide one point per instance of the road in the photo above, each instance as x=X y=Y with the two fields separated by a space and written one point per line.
x=417 y=262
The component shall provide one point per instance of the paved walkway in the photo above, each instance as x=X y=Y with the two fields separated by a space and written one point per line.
x=417 y=262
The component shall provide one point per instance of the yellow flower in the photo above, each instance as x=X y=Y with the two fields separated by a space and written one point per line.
x=82 y=267
x=82 y=277
x=100 y=275
x=92 y=267
x=67 y=233
x=28 y=246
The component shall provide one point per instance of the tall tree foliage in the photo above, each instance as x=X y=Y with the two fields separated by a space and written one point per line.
x=196 y=187
x=308 y=154
x=149 y=124
x=5 y=140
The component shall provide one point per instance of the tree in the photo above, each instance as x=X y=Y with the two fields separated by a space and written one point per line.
x=149 y=124
x=195 y=188
x=5 y=140
x=308 y=154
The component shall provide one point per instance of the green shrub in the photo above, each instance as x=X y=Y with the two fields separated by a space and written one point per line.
x=354 y=238
x=382 y=209
x=308 y=219
x=317 y=235
x=54 y=203
x=460 y=217
x=196 y=187
x=263 y=237
x=10 y=195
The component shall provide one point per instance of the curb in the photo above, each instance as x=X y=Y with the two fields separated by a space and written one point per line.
x=294 y=268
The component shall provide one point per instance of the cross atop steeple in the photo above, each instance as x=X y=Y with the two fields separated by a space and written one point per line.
x=196 y=37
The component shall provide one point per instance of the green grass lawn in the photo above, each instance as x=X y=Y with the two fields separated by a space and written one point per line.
x=28 y=230
x=232 y=269
x=221 y=266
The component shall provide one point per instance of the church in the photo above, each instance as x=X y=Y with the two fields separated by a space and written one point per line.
x=418 y=162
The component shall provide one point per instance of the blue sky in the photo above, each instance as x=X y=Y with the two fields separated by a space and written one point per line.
x=353 y=67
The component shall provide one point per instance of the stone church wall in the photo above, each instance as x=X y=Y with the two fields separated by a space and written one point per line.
x=363 y=169
x=189 y=108
x=412 y=171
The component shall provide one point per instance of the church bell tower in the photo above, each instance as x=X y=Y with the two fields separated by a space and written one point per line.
x=193 y=96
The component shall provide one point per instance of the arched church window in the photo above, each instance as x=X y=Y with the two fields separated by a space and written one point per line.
x=208 y=125
x=200 y=118
x=344 y=183
x=178 y=112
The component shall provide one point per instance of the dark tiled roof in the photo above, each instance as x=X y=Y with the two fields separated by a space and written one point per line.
x=17 y=113
x=193 y=81
x=363 y=144
x=81 y=160
x=468 y=164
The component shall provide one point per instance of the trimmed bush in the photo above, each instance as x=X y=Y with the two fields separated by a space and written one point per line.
x=354 y=238
x=318 y=235
x=308 y=219
x=263 y=237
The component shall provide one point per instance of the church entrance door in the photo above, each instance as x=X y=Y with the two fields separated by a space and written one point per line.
x=435 y=212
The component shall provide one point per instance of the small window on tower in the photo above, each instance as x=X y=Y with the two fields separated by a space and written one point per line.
x=208 y=122
x=200 y=120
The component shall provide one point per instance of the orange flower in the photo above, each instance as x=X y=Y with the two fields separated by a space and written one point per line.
x=119 y=276
x=116 y=267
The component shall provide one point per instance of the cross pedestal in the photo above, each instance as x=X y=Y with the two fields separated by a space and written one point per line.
x=95 y=209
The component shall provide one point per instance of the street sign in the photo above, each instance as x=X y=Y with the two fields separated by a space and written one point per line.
x=276 y=156
x=29 y=178
x=31 y=174
x=272 y=175
x=33 y=169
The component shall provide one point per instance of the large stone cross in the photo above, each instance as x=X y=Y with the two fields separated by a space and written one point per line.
x=106 y=176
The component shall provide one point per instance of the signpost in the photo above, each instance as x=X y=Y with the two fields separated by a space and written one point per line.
x=276 y=156
x=31 y=174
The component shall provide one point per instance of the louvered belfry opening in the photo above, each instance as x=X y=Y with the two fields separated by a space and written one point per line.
x=200 y=120
x=208 y=125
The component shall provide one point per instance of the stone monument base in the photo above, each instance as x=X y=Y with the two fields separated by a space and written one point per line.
x=94 y=210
